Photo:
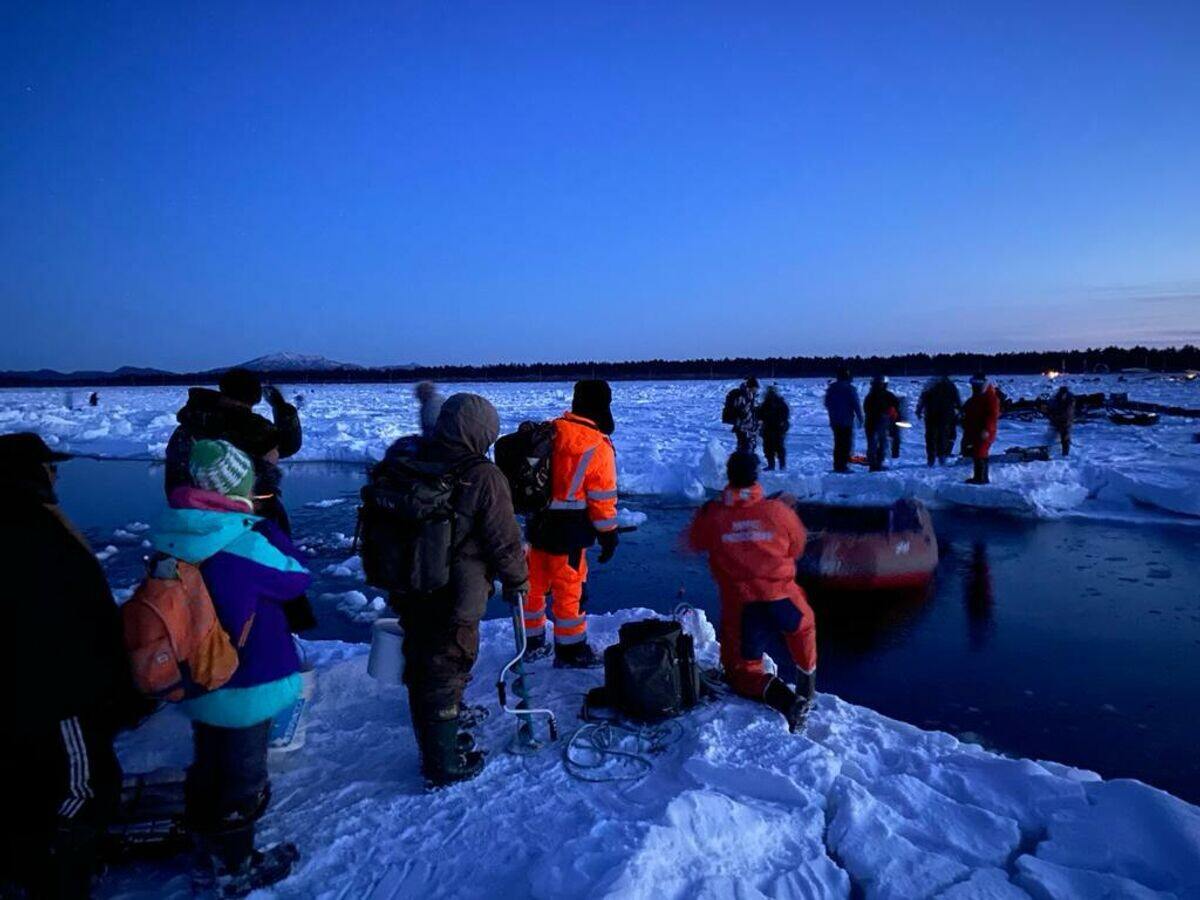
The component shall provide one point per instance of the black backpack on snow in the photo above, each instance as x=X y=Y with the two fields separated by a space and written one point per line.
x=651 y=673
x=406 y=523
x=524 y=458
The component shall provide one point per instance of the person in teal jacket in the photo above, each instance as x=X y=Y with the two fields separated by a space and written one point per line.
x=251 y=568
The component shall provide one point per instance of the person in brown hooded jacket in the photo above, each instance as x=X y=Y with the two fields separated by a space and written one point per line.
x=441 y=631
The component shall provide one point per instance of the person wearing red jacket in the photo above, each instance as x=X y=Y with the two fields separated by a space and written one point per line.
x=981 y=417
x=752 y=544
x=582 y=512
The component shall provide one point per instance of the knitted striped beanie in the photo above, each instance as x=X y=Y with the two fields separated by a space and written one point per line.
x=219 y=466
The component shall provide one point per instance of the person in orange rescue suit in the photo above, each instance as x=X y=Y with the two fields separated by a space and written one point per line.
x=752 y=544
x=582 y=512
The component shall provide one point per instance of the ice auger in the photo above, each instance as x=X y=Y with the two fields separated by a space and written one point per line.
x=526 y=740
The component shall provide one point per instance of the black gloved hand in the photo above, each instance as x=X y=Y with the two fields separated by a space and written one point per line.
x=512 y=594
x=608 y=541
x=273 y=396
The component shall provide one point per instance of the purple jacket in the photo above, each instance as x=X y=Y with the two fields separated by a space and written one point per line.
x=250 y=567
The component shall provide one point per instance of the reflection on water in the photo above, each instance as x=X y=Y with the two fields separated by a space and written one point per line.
x=978 y=598
x=858 y=624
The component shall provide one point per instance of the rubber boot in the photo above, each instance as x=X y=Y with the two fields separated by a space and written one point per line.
x=576 y=656
x=783 y=699
x=443 y=762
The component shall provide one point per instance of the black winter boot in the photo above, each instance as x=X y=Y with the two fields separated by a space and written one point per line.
x=536 y=647
x=576 y=656
x=443 y=760
x=223 y=870
x=782 y=698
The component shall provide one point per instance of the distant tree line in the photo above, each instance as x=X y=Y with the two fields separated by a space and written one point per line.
x=1108 y=359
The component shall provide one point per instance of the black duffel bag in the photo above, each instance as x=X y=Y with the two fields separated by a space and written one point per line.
x=650 y=674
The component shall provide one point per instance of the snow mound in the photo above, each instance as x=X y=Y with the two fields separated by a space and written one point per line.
x=355 y=606
x=860 y=805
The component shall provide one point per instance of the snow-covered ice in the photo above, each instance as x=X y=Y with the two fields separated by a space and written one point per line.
x=860 y=805
x=670 y=440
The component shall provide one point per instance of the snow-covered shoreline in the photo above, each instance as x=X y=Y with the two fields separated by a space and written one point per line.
x=734 y=807
x=670 y=441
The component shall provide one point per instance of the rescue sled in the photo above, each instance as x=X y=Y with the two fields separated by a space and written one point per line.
x=1024 y=454
x=1134 y=418
x=868 y=548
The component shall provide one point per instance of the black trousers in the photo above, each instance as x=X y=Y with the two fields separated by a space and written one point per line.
x=63 y=784
x=877 y=445
x=843 y=446
x=1064 y=437
x=227 y=788
x=439 y=653
x=939 y=439
x=747 y=441
x=774 y=449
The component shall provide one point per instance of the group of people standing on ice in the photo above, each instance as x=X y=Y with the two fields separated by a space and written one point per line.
x=881 y=413
x=223 y=544
x=770 y=420
x=941 y=407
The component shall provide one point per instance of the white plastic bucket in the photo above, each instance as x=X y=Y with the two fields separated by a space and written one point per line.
x=386 y=662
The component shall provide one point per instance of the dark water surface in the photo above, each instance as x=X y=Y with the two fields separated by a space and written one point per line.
x=1071 y=640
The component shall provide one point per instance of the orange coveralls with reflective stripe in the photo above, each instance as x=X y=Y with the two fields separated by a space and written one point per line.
x=752 y=545
x=583 y=476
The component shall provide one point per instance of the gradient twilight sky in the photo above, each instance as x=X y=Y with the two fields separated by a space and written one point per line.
x=186 y=185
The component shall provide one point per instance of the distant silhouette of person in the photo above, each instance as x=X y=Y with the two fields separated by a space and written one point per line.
x=1060 y=413
x=845 y=410
x=774 y=417
x=978 y=598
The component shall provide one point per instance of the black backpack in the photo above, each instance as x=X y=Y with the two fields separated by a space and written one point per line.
x=524 y=457
x=651 y=673
x=406 y=523
x=732 y=413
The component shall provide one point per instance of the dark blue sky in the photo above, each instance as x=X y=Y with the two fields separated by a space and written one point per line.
x=186 y=185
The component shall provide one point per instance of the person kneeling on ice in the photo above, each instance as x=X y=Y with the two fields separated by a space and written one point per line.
x=752 y=544
x=981 y=418
x=582 y=512
x=250 y=568
x=440 y=617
